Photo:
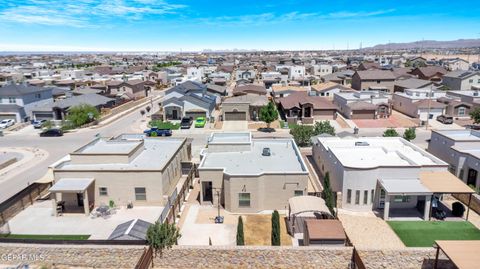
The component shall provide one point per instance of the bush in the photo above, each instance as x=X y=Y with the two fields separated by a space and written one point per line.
x=409 y=134
x=302 y=134
x=82 y=114
x=390 y=132
x=240 y=236
x=164 y=125
x=328 y=195
x=323 y=127
x=275 y=228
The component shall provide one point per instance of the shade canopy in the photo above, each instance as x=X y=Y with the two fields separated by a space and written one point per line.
x=71 y=185
x=325 y=229
x=462 y=253
x=300 y=204
x=443 y=182
x=404 y=187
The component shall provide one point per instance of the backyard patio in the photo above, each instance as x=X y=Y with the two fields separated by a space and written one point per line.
x=38 y=219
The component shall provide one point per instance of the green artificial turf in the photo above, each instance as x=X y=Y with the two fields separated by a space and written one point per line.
x=424 y=233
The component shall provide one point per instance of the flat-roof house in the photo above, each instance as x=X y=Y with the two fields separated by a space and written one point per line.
x=462 y=80
x=381 y=173
x=373 y=80
x=461 y=150
x=129 y=169
x=249 y=175
x=419 y=103
x=18 y=101
x=363 y=105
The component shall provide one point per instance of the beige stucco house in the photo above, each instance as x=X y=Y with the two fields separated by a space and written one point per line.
x=248 y=175
x=130 y=169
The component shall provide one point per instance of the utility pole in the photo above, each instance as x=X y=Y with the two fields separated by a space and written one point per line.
x=429 y=104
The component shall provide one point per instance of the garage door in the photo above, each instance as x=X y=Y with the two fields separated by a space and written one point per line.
x=235 y=116
x=43 y=116
x=8 y=116
x=363 y=114
x=196 y=114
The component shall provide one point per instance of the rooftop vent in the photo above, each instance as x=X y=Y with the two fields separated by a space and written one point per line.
x=361 y=144
x=266 y=152
x=475 y=93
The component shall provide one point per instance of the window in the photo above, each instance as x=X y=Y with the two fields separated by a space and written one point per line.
x=461 y=111
x=298 y=193
x=365 y=197
x=470 y=81
x=401 y=198
x=12 y=100
x=372 y=196
x=38 y=96
x=349 y=196
x=140 y=194
x=357 y=197
x=244 y=199
x=103 y=191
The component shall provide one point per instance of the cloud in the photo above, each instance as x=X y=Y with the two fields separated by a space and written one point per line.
x=83 y=13
x=362 y=14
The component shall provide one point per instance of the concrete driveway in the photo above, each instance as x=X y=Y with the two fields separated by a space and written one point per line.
x=435 y=124
x=235 y=125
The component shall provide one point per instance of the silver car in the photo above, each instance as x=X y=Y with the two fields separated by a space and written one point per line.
x=6 y=123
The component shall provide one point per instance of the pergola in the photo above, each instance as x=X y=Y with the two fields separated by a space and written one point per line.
x=307 y=206
x=72 y=185
x=462 y=253
x=446 y=183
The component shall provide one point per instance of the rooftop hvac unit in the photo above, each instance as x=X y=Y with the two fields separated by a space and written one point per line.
x=266 y=152
x=361 y=144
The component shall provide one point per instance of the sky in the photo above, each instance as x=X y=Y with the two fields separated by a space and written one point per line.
x=179 y=25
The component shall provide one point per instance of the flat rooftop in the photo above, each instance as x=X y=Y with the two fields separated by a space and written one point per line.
x=468 y=149
x=102 y=146
x=371 y=152
x=284 y=158
x=460 y=135
x=229 y=138
x=156 y=153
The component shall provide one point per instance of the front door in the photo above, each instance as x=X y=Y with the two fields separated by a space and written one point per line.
x=80 y=199
x=472 y=177
x=174 y=114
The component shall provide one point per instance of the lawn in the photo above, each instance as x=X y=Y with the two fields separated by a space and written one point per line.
x=258 y=230
x=164 y=125
x=46 y=236
x=424 y=233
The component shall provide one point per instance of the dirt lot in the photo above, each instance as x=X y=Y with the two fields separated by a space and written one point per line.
x=396 y=120
x=258 y=229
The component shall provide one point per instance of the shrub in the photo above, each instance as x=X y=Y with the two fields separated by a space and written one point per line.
x=328 y=195
x=390 y=132
x=409 y=134
x=275 y=228
x=240 y=236
x=82 y=114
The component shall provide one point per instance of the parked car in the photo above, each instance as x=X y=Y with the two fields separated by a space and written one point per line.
x=6 y=123
x=473 y=127
x=51 y=132
x=157 y=132
x=200 y=122
x=186 y=123
x=37 y=124
x=445 y=119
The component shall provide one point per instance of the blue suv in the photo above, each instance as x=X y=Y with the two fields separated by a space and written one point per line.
x=157 y=132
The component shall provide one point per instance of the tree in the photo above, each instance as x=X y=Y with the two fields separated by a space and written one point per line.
x=162 y=236
x=81 y=114
x=327 y=194
x=323 y=127
x=409 y=134
x=275 y=228
x=240 y=237
x=302 y=134
x=390 y=132
x=475 y=115
x=268 y=114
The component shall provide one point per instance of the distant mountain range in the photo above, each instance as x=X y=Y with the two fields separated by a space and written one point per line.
x=430 y=44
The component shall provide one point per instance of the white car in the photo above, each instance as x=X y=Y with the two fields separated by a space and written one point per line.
x=6 y=123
